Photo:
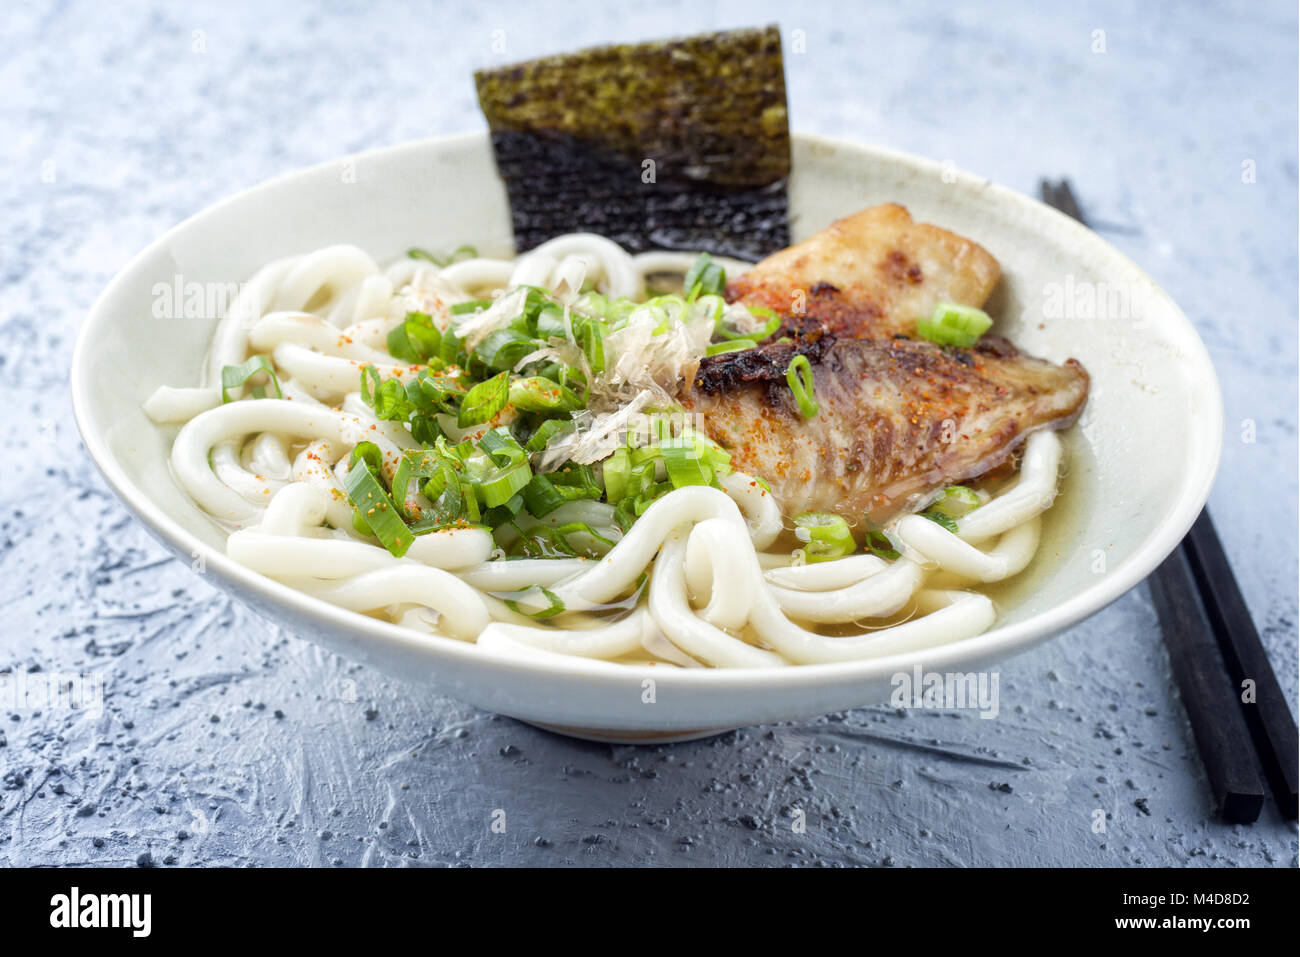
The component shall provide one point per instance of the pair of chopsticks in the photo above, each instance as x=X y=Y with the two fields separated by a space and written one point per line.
x=1243 y=727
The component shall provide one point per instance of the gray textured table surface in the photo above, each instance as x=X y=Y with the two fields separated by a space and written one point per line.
x=223 y=740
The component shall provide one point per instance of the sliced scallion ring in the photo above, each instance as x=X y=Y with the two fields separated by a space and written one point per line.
x=232 y=377
x=732 y=345
x=772 y=324
x=956 y=501
x=826 y=536
x=799 y=376
x=939 y=518
x=530 y=602
x=540 y=394
x=484 y=401
x=616 y=471
x=473 y=305
x=687 y=462
x=704 y=278
x=414 y=339
x=952 y=324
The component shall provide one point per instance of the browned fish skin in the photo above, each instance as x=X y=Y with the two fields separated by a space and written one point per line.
x=898 y=418
x=869 y=275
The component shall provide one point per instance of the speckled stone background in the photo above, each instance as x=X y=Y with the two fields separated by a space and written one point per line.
x=225 y=741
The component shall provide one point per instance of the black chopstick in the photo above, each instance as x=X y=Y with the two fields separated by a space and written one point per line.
x=1060 y=197
x=1267 y=716
x=1221 y=733
x=1214 y=648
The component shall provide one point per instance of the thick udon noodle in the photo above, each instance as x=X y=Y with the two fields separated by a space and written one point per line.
x=694 y=581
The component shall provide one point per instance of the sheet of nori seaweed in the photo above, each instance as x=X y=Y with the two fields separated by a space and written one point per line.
x=575 y=136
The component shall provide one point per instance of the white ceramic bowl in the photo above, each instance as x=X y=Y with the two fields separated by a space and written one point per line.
x=1141 y=459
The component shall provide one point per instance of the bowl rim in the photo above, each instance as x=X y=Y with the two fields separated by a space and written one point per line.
x=1205 y=433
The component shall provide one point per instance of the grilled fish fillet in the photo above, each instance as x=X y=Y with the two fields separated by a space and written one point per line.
x=869 y=275
x=898 y=418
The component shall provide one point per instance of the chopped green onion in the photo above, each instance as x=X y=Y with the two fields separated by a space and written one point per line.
x=554 y=605
x=415 y=339
x=504 y=513
x=939 y=518
x=504 y=485
x=541 y=496
x=625 y=513
x=589 y=334
x=461 y=252
x=432 y=392
x=562 y=533
x=704 y=278
x=826 y=536
x=540 y=394
x=642 y=475
x=369 y=453
x=768 y=328
x=535 y=300
x=879 y=545
x=449 y=488
x=616 y=471
x=540 y=541
x=719 y=458
x=650 y=496
x=710 y=307
x=376 y=509
x=640 y=479
x=484 y=401
x=734 y=345
x=799 y=376
x=500 y=486
x=955 y=501
x=389 y=400
x=954 y=325
x=550 y=322
x=489 y=480
x=370 y=382
x=473 y=305
x=462 y=450
x=580 y=478
x=687 y=462
x=611 y=310
x=417 y=464
x=232 y=377
x=449 y=349
x=762 y=332
x=547 y=541
x=448 y=499
x=508 y=471
x=422 y=463
x=425 y=429
x=504 y=348
x=400 y=485
x=548 y=430
x=645 y=453
x=503 y=448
